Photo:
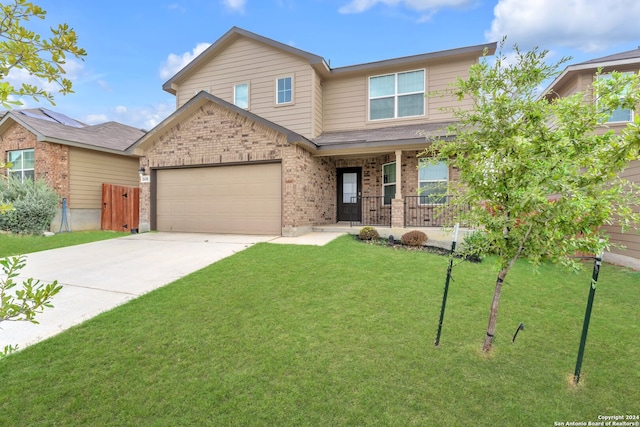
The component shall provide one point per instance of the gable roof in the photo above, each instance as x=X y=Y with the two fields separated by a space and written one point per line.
x=621 y=59
x=50 y=126
x=317 y=62
x=201 y=98
x=233 y=34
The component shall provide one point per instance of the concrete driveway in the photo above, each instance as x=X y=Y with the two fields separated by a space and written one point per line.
x=101 y=275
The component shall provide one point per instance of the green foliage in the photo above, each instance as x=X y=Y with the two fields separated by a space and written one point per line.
x=22 y=304
x=22 y=48
x=34 y=204
x=541 y=173
x=368 y=233
x=414 y=238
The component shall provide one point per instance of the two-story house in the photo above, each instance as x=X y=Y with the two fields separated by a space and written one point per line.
x=269 y=139
x=579 y=78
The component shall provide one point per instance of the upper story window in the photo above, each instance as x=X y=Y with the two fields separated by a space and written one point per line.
x=396 y=95
x=388 y=182
x=433 y=179
x=22 y=164
x=241 y=95
x=619 y=114
x=284 y=90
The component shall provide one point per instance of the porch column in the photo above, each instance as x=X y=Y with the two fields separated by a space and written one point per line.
x=398 y=174
x=397 y=204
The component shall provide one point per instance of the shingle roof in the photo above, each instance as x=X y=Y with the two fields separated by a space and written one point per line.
x=406 y=133
x=630 y=54
x=56 y=127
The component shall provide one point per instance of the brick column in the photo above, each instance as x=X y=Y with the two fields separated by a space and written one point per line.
x=397 y=213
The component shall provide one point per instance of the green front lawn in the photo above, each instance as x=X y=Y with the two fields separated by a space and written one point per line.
x=17 y=244
x=338 y=335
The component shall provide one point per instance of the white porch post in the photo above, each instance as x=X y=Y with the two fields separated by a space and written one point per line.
x=397 y=204
x=398 y=174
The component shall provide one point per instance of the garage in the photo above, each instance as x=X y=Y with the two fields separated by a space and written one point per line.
x=239 y=199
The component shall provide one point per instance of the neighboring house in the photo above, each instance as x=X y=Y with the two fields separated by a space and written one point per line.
x=269 y=139
x=74 y=158
x=579 y=78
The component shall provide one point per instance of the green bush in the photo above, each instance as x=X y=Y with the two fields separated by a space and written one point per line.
x=414 y=238
x=368 y=233
x=34 y=204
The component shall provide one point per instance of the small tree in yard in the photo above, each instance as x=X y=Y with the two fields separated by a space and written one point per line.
x=539 y=173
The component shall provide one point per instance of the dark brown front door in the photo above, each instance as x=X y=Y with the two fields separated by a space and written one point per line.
x=349 y=190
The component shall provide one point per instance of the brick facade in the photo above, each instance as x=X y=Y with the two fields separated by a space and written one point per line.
x=51 y=160
x=213 y=135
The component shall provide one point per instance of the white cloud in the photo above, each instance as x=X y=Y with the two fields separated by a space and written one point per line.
x=358 y=6
x=141 y=117
x=94 y=119
x=587 y=25
x=235 y=5
x=175 y=63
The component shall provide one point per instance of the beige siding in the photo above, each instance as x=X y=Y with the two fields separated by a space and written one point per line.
x=630 y=239
x=318 y=107
x=249 y=61
x=346 y=98
x=90 y=169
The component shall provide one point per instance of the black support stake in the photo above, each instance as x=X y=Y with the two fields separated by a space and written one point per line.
x=587 y=316
x=446 y=285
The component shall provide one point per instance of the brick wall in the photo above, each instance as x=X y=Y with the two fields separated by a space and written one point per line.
x=309 y=192
x=213 y=135
x=51 y=160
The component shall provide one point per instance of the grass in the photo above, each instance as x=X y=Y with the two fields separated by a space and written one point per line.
x=338 y=335
x=17 y=244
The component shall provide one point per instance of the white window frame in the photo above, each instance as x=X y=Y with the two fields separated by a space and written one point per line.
x=388 y=184
x=19 y=170
x=397 y=95
x=235 y=95
x=631 y=111
x=425 y=163
x=278 y=91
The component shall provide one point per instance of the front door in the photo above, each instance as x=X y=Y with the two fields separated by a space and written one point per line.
x=349 y=190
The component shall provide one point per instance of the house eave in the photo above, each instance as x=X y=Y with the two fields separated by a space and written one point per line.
x=574 y=69
x=355 y=148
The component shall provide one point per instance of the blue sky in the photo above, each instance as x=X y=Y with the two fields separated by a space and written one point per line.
x=134 y=46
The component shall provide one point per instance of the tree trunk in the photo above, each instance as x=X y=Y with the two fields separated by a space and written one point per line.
x=493 y=314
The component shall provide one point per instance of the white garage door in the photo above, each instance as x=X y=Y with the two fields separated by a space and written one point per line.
x=244 y=199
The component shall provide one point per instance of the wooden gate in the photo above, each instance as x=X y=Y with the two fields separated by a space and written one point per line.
x=120 y=208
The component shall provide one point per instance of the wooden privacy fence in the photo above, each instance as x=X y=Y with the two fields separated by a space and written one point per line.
x=120 y=208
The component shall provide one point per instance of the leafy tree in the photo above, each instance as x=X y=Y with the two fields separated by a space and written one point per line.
x=22 y=48
x=539 y=173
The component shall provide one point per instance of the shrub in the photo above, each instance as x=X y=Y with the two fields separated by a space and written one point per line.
x=414 y=238
x=368 y=233
x=34 y=204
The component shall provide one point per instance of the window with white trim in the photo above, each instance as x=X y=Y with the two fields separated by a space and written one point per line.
x=396 y=95
x=241 y=95
x=388 y=182
x=433 y=182
x=619 y=114
x=284 y=90
x=22 y=164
